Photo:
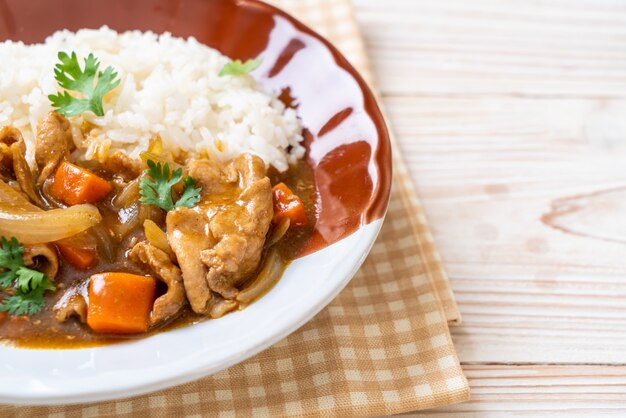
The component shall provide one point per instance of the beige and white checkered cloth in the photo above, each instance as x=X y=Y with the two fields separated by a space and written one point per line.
x=382 y=347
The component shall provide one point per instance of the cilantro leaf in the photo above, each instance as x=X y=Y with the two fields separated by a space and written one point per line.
x=11 y=254
x=70 y=77
x=237 y=68
x=157 y=189
x=191 y=193
x=28 y=279
x=69 y=105
x=29 y=303
x=29 y=285
x=6 y=279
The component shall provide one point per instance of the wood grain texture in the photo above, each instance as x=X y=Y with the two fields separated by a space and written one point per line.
x=540 y=391
x=531 y=287
x=511 y=117
x=455 y=47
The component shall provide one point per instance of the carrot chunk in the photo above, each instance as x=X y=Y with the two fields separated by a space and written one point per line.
x=287 y=205
x=81 y=258
x=74 y=185
x=120 y=303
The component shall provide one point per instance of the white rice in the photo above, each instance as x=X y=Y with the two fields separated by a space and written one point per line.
x=169 y=88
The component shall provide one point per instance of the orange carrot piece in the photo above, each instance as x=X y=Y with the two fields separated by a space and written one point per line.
x=287 y=205
x=3 y=316
x=74 y=185
x=81 y=258
x=120 y=303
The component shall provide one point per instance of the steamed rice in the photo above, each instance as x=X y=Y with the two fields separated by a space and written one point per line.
x=169 y=88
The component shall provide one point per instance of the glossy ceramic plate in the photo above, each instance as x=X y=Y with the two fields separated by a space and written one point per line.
x=348 y=148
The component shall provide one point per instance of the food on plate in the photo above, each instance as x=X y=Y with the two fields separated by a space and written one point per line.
x=146 y=182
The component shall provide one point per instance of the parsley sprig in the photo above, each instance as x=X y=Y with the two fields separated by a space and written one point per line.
x=157 y=188
x=29 y=286
x=237 y=68
x=71 y=77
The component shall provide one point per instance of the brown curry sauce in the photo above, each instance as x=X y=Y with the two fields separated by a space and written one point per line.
x=44 y=331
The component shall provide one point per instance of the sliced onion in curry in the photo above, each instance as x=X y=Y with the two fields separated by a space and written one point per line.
x=278 y=232
x=32 y=227
x=273 y=267
x=133 y=217
x=158 y=158
x=128 y=219
x=106 y=245
x=128 y=195
x=11 y=197
x=158 y=238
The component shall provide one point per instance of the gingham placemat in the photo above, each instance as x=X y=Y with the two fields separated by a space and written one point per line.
x=382 y=347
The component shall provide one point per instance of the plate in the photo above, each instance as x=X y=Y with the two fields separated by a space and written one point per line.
x=347 y=147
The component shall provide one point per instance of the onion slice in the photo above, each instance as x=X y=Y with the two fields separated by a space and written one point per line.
x=34 y=227
x=16 y=200
x=158 y=158
x=128 y=195
x=273 y=267
x=278 y=232
x=105 y=243
x=158 y=238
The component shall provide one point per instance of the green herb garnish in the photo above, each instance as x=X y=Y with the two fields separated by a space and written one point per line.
x=29 y=285
x=237 y=68
x=157 y=190
x=70 y=77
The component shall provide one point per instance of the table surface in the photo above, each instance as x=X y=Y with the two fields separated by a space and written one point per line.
x=512 y=119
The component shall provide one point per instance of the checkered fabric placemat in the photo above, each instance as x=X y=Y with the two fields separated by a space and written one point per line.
x=382 y=347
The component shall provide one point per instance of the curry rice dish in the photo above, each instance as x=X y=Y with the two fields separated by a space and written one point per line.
x=146 y=182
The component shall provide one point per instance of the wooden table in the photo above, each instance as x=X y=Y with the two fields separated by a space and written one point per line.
x=512 y=118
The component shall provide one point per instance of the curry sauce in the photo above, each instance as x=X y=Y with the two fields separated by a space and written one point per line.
x=45 y=330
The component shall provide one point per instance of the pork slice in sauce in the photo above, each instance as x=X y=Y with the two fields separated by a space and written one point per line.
x=186 y=233
x=169 y=305
x=13 y=165
x=54 y=144
x=219 y=242
x=222 y=307
x=43 y=257
x=71 y=304
x=120 y=164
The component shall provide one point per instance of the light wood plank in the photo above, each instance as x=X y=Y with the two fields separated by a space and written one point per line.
x=488 y=171
x=456 y=47
x=507 y=111
x=540 y=391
